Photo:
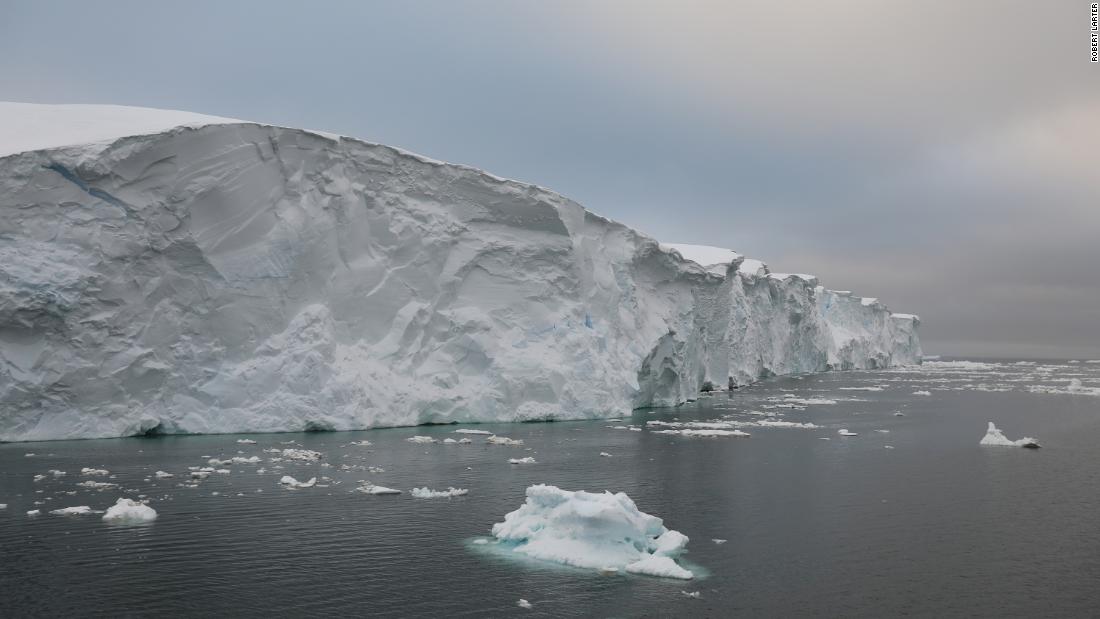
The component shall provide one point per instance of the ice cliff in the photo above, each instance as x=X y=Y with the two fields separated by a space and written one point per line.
x=168 y=272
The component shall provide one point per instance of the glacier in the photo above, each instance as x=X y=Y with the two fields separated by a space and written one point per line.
x=167 y=272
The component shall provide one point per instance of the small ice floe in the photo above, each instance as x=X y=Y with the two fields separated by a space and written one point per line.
x=994 y=436
x=79 y=510
x=503 y=440
x=922 y=393
x=56 y=473
x=845 y=432
x=421 y=439
x=290 y=482
x=449 y=441
x=467 y=431
x=464 y=441
x=34 y=512
x=522 y=603
x=718 y=541
x=527 y=460
x=218 y=462
x=824 y=438
x=246 y=441
x=100 y=472
x=693 y=594
x=96 y=485
x=200 y=474
x=604 y=454
x=887 y=446
x=703 y=433
x=3 y=505
x=899 y=414
x=362 y=443
x=593 y=531
x=428 y=493
x=608 y=570
x=304 y=455
x=127 y=511
x=883 y=431
x=367 y=488
x=241 y=460
x=40 y=477
x=876 y=388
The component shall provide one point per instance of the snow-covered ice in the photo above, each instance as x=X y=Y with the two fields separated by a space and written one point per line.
x=594 y=531
x=128 y=511
x=994 y=436
x=250 y=251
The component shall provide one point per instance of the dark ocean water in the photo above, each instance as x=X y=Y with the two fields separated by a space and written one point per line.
x=935 y=526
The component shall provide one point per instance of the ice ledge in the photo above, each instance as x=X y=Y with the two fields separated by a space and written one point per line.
x=241 y=277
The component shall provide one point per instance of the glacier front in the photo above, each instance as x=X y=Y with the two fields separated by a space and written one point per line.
x=188 y=274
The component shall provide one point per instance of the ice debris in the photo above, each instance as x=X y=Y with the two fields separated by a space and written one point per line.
x=428 y=493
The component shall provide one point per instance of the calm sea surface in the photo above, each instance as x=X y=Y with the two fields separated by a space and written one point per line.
x=935 y=525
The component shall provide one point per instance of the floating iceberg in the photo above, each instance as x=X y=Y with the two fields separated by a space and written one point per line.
x=304 y=455
x=240 y=277
x=994 y=436
x=504 y=440
x=594 y=531
x=79 y=510
x=421 y=439
x=373 y=489
x=527 y=460
x=127 y=511
x=290 y=482
x=428 y=493
x=846 y=432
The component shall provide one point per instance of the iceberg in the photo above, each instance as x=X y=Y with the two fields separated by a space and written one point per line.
x=290 y=482
x=237 y=277
x=79 y=510
x=596 y=531
x=128 y=511
x=994 y=436
x=428 y=493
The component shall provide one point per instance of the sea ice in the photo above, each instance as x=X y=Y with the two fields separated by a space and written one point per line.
x=290 y=482
x=428 y=493
x=163 y=475
x=522 y=603
x=79 y=510
x=127 y=511
x=994 y=436
x=594 y=531
x=845 y=432
x=468 y=431
x=304 y=455
x=246 y=441
x=922 y=393
x=373 y=489
x=87 y=471
x=421 y=439
x=503 y=440
x=527 y=460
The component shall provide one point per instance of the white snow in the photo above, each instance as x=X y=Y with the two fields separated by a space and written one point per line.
x=428 y=493
x=704 y=255
x=127 y=511
x=250 y=252
x=35 y=126
x=290 y=482
x=594 y=531
x=994 y=436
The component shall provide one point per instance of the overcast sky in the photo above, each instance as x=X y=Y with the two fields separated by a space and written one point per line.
x=943 y=156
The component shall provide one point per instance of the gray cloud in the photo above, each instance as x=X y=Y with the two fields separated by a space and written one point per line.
x=940 y=155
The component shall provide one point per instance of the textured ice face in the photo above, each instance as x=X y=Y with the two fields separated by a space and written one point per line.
x=240 y=278
x=597 y=531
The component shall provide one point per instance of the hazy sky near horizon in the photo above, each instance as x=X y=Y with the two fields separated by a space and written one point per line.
x=943 y=156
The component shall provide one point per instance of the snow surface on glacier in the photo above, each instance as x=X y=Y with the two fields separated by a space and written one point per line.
x=224 y=276
x=598 y=531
